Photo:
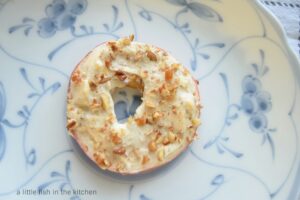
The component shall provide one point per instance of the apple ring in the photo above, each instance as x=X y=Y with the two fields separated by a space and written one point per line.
x=164 y=124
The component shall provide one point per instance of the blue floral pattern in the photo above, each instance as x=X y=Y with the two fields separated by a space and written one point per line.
x=201 y=11
x=59 y=16
x=62 y=16
x=231 y=114
x=62 y=179
x=24 y=113
x=255 y=102
x=198 y=9
x=215 y=184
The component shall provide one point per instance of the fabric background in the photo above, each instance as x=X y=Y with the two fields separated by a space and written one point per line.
x=288 y=13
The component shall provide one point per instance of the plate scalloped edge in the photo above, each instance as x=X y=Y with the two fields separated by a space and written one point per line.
x=295 y=68
x=295 y=190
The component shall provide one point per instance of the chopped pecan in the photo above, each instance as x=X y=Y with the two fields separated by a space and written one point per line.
x=71 y=124
x=131 y=37
x=119 y=150
x=101 y=78
x=101 y=160
x=152 y=146
x=113 y=46
x=108 y=63
x=172 y=137
x=166 y=141
x=144 y=74
x=151 y=56
x=140 y=121
x=115 y=138
x=110 y=118
x=121 y=75
x=96 y=104
x=174 y=110
x=126 y=41
x=185 y=72
x=120 y=167
x=160 y=155
x=169 y=74
x=76 y=77
x=157 y=135
x=145 y=159
x=136 y=82
x=156 y=115
x=196 y=122
x=92 y=85
x=138 y=56
x=175 y=66
x=167 y=91
x=150 y=104
x=105 y=102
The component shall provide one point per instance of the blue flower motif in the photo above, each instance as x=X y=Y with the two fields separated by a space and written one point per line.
x=145 y=14
x=77 y=7
x=198 y=9
x=59 y=16
x=46 y=27
x=258 y=123
x=56 y=8
x=251 y=84
x=65 y=21
x=264 y=101
x=249 y=104
x=61 y=179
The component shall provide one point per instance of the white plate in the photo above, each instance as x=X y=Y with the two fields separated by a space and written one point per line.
x=249 y=83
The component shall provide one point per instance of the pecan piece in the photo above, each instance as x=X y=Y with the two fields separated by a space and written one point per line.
x=71 y=125
x=160 y=155
x=166 y=141
x=113 y=46
x=92 y=85
x=101 y=160
x=145 y=159
x=121 y=75
x=76 y=77
x=119 y=150
x=108 y=63
x=151 y=56
x=152 y=146
x=140 y=121
x=131 y=37
x=169 y=74
x=115 y=138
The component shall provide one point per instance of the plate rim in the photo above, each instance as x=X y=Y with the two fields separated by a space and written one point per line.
x=294 y=192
